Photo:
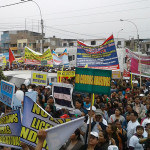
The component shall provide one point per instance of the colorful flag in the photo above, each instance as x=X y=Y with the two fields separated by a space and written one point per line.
x=62 y=59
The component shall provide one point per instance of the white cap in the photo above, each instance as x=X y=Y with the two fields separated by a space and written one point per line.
x=94 y=134
x=27 y=82
x=93 y=108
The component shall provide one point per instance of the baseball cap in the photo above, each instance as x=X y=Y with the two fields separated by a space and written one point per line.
x=94 y=134
x=93 y=108
x=98 y=112
x=76 y=111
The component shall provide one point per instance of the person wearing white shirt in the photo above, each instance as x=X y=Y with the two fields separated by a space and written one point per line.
x=134 y=140
x=132 y=124
x=147 y=119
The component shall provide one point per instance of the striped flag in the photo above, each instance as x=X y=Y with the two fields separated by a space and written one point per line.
x=62 y=94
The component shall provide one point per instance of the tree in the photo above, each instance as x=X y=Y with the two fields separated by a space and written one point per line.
x=2 y=77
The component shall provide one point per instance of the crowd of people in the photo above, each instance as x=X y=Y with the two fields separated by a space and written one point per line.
x=121 y=120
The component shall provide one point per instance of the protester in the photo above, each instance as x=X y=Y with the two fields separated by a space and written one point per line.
x=74 y=143
x=132 y=124
x=93 y=141
x=134 y=141
x=116 y=116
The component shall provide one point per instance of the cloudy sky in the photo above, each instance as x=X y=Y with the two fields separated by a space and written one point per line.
x=88 y=19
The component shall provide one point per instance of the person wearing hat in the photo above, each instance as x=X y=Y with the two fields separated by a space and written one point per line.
x=93 y=141
x=99 y=123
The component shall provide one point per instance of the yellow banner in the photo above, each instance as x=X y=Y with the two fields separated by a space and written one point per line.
x=32 y=57
x=20 y=60
x=65 y=74
x=39 y=78
x=116 y=74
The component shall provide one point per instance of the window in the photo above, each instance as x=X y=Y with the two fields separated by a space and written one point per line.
x=70 y=58
x=70 y=44
x=24 y=44
x=19 y=45
x=119 y=42
x=73 y=57
x=64 y=44
x=93 y=42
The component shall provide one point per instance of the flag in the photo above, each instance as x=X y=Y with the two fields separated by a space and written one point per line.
x=53 y=138
x=11 y=56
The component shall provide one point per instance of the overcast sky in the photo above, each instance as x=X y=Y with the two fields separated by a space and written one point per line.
x=78 y=19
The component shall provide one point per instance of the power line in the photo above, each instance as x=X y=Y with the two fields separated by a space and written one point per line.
x=13 y=4
x=100 y=13
x=70 y=31
x=98 y=7
x=107 y=21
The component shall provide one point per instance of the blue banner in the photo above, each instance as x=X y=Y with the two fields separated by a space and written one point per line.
x=34 y=119
x=99 y=57
x=10 y=128
x=7 y=92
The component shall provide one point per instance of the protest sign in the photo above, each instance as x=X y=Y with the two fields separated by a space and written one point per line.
x=65 y=74
x=10 y=128
x=116 y=74
x=39 y=119
x=99 y=57
x=93 y=80
x=7 y=92
x=53 y=138
x=62 y=94
x=39 y=78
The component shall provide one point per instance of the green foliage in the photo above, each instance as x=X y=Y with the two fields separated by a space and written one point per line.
x=2 y=77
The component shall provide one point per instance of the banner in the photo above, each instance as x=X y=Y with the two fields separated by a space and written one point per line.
x=10 y=128
x=93 y=80
x=62 y=94
x=99 y=57
x=65 y=74
x=7 y=92
x=47 y=58
x=116 y=74
x=53 y=138
x=39 y=78
x=62 y=59
x=35 y=58
x=136 y=62
x=2 y=61
x=34 y=119
x=19 y=60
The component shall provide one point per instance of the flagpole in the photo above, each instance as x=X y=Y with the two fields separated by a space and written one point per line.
x=140 y=70
x=90 y=118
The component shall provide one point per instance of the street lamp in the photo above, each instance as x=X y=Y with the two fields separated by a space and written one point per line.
x=117 y=36
x=136 y=31
x=42 y=26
